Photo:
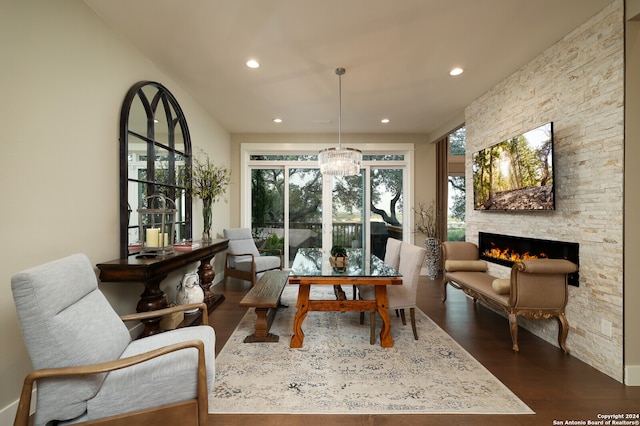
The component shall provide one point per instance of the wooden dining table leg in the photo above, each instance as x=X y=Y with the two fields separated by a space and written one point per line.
x=382 y=306
x=303 y=307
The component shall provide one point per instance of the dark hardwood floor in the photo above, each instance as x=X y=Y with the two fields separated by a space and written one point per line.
x=555 y=386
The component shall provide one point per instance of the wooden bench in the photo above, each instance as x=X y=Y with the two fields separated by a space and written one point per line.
x=264 y=296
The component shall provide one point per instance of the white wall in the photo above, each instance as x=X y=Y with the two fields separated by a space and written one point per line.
x=63 y=78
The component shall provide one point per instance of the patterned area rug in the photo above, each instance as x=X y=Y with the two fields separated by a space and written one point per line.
x=338 y=372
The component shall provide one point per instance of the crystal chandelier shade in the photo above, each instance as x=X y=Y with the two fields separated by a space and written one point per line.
x=340 y=161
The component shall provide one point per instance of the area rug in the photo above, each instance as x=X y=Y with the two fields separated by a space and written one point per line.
x=337 y=371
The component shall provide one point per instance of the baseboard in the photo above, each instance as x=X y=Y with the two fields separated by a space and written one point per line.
x=632 y=375
x=8 y=413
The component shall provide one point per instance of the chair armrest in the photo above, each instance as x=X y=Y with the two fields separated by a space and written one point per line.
x=546 y=266
x=166 y=311
x=273 y=251
x=540 y=283
x=239 y=255
x=22 y=415
x=459 y=250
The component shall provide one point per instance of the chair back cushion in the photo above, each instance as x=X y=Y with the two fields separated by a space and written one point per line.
x=240 y=242
x=66 y=321
x=392 y=253
x=411 y=260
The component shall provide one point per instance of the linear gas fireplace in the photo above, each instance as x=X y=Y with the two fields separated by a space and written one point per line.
x=506 y=250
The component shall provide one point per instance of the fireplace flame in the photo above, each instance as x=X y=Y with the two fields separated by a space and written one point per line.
x=512 y=256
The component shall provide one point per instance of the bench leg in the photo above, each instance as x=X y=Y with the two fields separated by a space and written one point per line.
x=563 y=331
x=263 y=323
x=513 y=326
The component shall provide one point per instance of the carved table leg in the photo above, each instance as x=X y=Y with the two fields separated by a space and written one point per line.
x=382 y=304
x=301 y=314
x=207 y=274
x=151 y=299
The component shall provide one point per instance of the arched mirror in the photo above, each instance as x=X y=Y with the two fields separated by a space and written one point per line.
x=155 y=158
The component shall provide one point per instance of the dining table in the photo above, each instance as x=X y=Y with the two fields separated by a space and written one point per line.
x=312 y=266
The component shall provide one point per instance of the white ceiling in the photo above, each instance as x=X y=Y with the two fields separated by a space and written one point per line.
x=397 y=55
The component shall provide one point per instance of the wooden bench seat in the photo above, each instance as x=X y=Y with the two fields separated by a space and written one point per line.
x=264 y=296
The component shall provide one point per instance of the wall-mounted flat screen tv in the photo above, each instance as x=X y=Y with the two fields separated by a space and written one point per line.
x=516 y=174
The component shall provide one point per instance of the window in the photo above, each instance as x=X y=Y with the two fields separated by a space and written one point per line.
x=456 y=225
x=293 y=205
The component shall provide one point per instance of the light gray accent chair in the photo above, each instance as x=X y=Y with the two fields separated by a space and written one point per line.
x=71 y=333
x=244 y=259
x=403 y=296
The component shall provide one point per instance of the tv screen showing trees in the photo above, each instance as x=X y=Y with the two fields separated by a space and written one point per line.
x=517 y=173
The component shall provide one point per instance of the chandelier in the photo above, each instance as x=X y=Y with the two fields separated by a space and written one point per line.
x=340 y=161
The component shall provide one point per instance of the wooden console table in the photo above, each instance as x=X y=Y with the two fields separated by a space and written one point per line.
x=151 y=271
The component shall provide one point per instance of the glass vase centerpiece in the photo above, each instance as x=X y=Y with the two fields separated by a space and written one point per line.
x=208 y=183
x=427 y=225
x=156 y=221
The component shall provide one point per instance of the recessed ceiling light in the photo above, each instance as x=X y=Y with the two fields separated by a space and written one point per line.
x=385 y=121
x=252 y=63
x=277 y=120
x=456 y=71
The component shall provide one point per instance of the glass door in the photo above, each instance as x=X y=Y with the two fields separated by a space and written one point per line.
x=304 y=210
x=293 y=205
x=387 y=205
x=267 y=207
x=348 y=210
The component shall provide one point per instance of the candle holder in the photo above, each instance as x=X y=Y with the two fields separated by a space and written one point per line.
x=156 y=223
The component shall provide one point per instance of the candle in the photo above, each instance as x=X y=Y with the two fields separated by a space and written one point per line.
x=152 y=237
x=165 y=238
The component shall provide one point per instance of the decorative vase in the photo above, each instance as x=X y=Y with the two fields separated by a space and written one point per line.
x=432 y=245
x=189 y=291
x=207 y=218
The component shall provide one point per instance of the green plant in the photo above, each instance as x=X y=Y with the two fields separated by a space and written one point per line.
x=208 y=181
x=338 y=251
x=273 y=242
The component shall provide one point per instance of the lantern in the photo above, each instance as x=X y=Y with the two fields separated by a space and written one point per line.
x=156 y=223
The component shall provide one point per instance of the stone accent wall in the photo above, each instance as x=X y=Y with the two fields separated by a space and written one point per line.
x=577 y=84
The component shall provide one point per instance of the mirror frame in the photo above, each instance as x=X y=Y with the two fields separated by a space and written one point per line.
x=161 y=107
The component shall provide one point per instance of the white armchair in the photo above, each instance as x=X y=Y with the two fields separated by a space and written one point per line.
x=86 y=365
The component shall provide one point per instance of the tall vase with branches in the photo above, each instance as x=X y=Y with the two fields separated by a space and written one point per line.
x=209 y=183
x=427 y=225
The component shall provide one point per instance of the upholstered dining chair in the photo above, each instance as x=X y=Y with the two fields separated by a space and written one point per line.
x=88 y=368
x=403 y=296
x=244 y=259
x=392 y=253
x=391 y=257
